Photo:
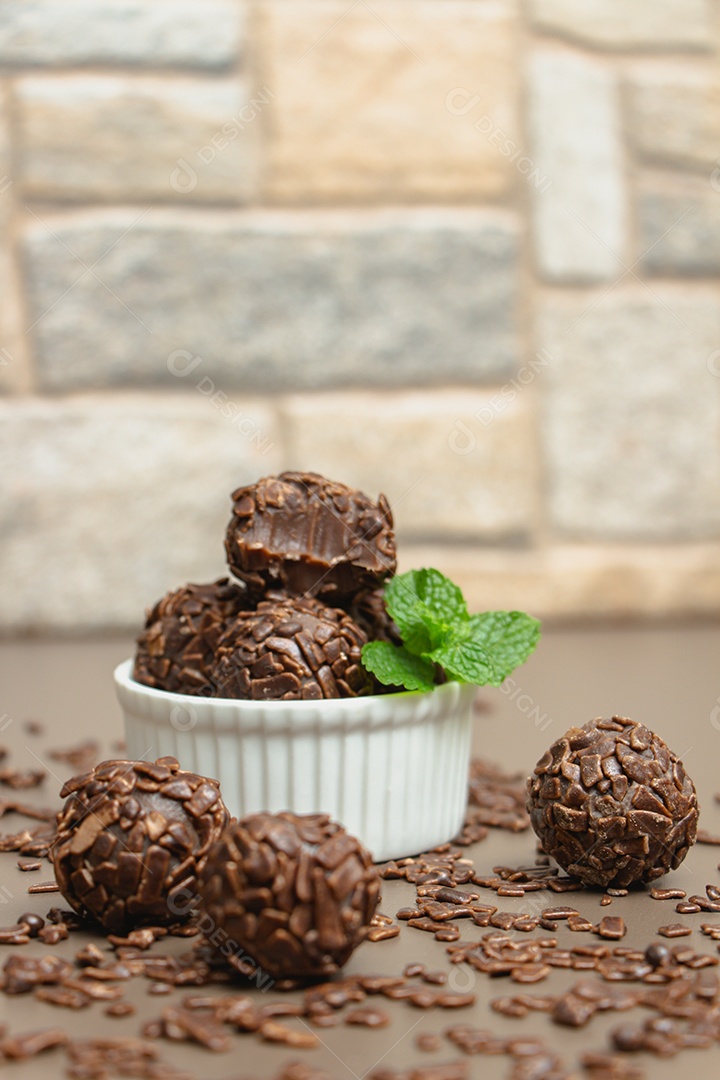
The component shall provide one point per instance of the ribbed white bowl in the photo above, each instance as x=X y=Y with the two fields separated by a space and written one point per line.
x=392 y=768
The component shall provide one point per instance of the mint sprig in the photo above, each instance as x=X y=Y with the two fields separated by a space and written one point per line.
x=436 y=629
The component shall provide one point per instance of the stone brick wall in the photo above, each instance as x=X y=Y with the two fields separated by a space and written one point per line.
x=462 y=251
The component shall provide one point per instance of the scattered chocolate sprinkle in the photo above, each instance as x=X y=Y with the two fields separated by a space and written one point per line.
x=674 y=930
x=80 y=758
x=428 y=1043
x=21 y=1047
x=367 y=1017
x=15 y=806
x=119 y=1009
x=18 y=780
x=612 y=927
x=44 y=887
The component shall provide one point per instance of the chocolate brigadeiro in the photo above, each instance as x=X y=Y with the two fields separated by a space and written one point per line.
x=309 y=536
x=295 y=893
x=131 y=837
x=612 y=804
x=369 y=612
x=291 y=648
x=181 y=635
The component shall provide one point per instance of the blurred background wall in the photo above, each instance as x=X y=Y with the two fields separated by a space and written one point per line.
x=462 y=251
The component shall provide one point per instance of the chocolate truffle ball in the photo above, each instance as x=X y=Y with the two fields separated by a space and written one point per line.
x=289 y=649
x=369 y=612
x=295 y=893
x=132 y=837
x=181 y=635
x=612 y=804
x=309 y=536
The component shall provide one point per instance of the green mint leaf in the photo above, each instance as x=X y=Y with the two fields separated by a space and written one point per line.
x=465 y=659
x=425 y=605
x=393 y=665
x=488 y=647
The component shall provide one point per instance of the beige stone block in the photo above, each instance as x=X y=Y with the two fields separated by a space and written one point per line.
x=11 y=362
x=13 y=359
x=675 y=113
x=390 y=99
x=6 y=171
x=626 y=24
x=453 y=463
x=109 y=501
x=584 y=581
x=574 y=117
x=631 y=412
x=106 y=137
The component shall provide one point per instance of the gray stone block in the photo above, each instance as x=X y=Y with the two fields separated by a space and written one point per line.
x=674 y=115
x=107 y=501
x=274 y=301
x=160 y=33
x=631 y=413
x=679 y=227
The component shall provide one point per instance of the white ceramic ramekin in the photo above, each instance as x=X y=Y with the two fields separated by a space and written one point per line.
x=392 y=768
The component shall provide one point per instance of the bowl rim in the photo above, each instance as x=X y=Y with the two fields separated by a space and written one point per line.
x=125 y=683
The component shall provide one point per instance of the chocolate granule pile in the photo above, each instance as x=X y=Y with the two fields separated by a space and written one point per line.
x=294 y=892
x=132 y=838
x=289 y=649
x=309 y=536
x=181 y=634
x=612 y=804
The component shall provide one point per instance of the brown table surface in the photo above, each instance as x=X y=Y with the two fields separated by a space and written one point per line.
x=669 y=678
